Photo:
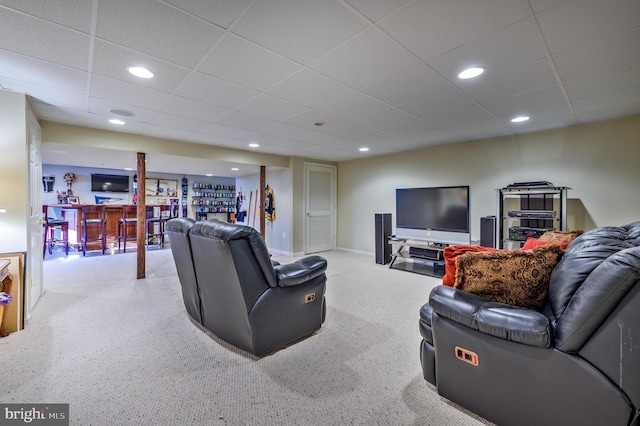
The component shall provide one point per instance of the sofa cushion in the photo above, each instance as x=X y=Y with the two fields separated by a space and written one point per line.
x=513 y=277
x=451 y=253
x=560 y=236
x=532 y=243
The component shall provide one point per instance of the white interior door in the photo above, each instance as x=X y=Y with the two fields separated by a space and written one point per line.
x=34 y=255
x=320 y=207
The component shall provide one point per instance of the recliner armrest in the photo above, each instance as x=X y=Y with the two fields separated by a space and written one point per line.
x=519 y=325
x=300 y=271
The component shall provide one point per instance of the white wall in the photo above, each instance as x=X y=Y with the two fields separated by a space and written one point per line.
x=14 y=173
x=278 y=233
x=598 y=161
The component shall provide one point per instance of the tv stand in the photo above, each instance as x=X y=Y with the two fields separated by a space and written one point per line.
x=421 y=257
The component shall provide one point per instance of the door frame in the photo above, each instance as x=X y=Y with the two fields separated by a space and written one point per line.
x=333 y=170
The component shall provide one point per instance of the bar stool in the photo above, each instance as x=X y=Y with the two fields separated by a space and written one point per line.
x=155 y=225
x=50 y=226
x=123 y=225
x=93 y=217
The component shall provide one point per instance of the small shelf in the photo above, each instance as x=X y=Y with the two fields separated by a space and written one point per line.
x=431 y=263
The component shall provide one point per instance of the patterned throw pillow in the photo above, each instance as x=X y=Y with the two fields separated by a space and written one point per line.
x=451 y=253
x=513 y=277
x=560 y=236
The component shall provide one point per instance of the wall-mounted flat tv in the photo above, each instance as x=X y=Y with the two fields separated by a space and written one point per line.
x=436 y=214
x=109 y=183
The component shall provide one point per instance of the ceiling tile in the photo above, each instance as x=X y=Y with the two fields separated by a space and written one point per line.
x=224 y=131
x=57 y=11
x=178 y=105
x=332 y=125
x=377 y=9
x=42 y=73
x=299 y=30
x=468 y=115
x=414 y=130
x=165 y=132
x=579 y=22
x=410 y=85
x=110 y=60
x=510 y=83
x=540 y=5
x=297 y=133
x=353 y=105
x=221 y=13
x=603 y=82
x=154 y=28
x=215 y=91
x=431 y=28
x=447 y=101
x=504 y=49
x=114 y=90
x=619 y=98
x=23 y=34
x=365 y=59
x=55 y=113
x=524 y=102
x=308 y=88
x=245 y=63
x=610 y=53
x=385 y=118
x=245 y=121
x=272 y=108
x=489 y=128
x=103 y=107
x=609 y=113
x=101 y=121
x=172 y=121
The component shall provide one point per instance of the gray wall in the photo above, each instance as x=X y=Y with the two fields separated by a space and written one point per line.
x=598 y=161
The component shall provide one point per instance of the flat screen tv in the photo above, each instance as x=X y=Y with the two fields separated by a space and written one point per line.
x=437 y=214
x=109 y=183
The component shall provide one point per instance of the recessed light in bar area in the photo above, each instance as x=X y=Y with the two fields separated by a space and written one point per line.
x=116 y=121
x=140 y=72
x=519 y=119
x=254 y=145
x=363 y=149
x=470 y=73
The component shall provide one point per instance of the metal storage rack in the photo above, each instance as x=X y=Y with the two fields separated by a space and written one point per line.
x=529 y=210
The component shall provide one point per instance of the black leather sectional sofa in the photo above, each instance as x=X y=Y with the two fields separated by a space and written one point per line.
x=575 y=362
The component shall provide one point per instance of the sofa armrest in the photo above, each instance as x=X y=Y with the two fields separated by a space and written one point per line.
x=519 y=325
x=300 y=271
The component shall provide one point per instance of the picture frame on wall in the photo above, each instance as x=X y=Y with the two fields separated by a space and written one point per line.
x=161 y=188
x=73 y=199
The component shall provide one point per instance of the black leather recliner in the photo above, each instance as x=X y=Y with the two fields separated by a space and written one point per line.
x=244 y=298
x=575 y=362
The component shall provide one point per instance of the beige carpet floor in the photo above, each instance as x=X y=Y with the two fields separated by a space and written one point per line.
x=123 y=351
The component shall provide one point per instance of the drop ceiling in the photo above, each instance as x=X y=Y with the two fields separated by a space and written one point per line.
x=381 y=74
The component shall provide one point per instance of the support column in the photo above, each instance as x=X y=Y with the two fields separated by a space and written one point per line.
x=141 y=216
x=263 y=185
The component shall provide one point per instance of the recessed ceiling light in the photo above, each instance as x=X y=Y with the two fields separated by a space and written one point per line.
x=470 y=73
x=209 y=174
x=363 y=149
x=116 y=121
x=254 y=145
x=122 y=112
x=235 y=169
x=140 y=72
x=519 y=119
x=128 y=168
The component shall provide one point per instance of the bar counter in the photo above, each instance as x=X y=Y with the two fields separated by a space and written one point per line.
x=72 y=213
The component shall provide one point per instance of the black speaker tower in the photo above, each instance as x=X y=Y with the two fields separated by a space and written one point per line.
x=383 y=231
x=488 y=231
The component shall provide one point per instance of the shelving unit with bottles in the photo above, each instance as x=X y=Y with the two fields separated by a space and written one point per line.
x=529 y=211
x=210 y=198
